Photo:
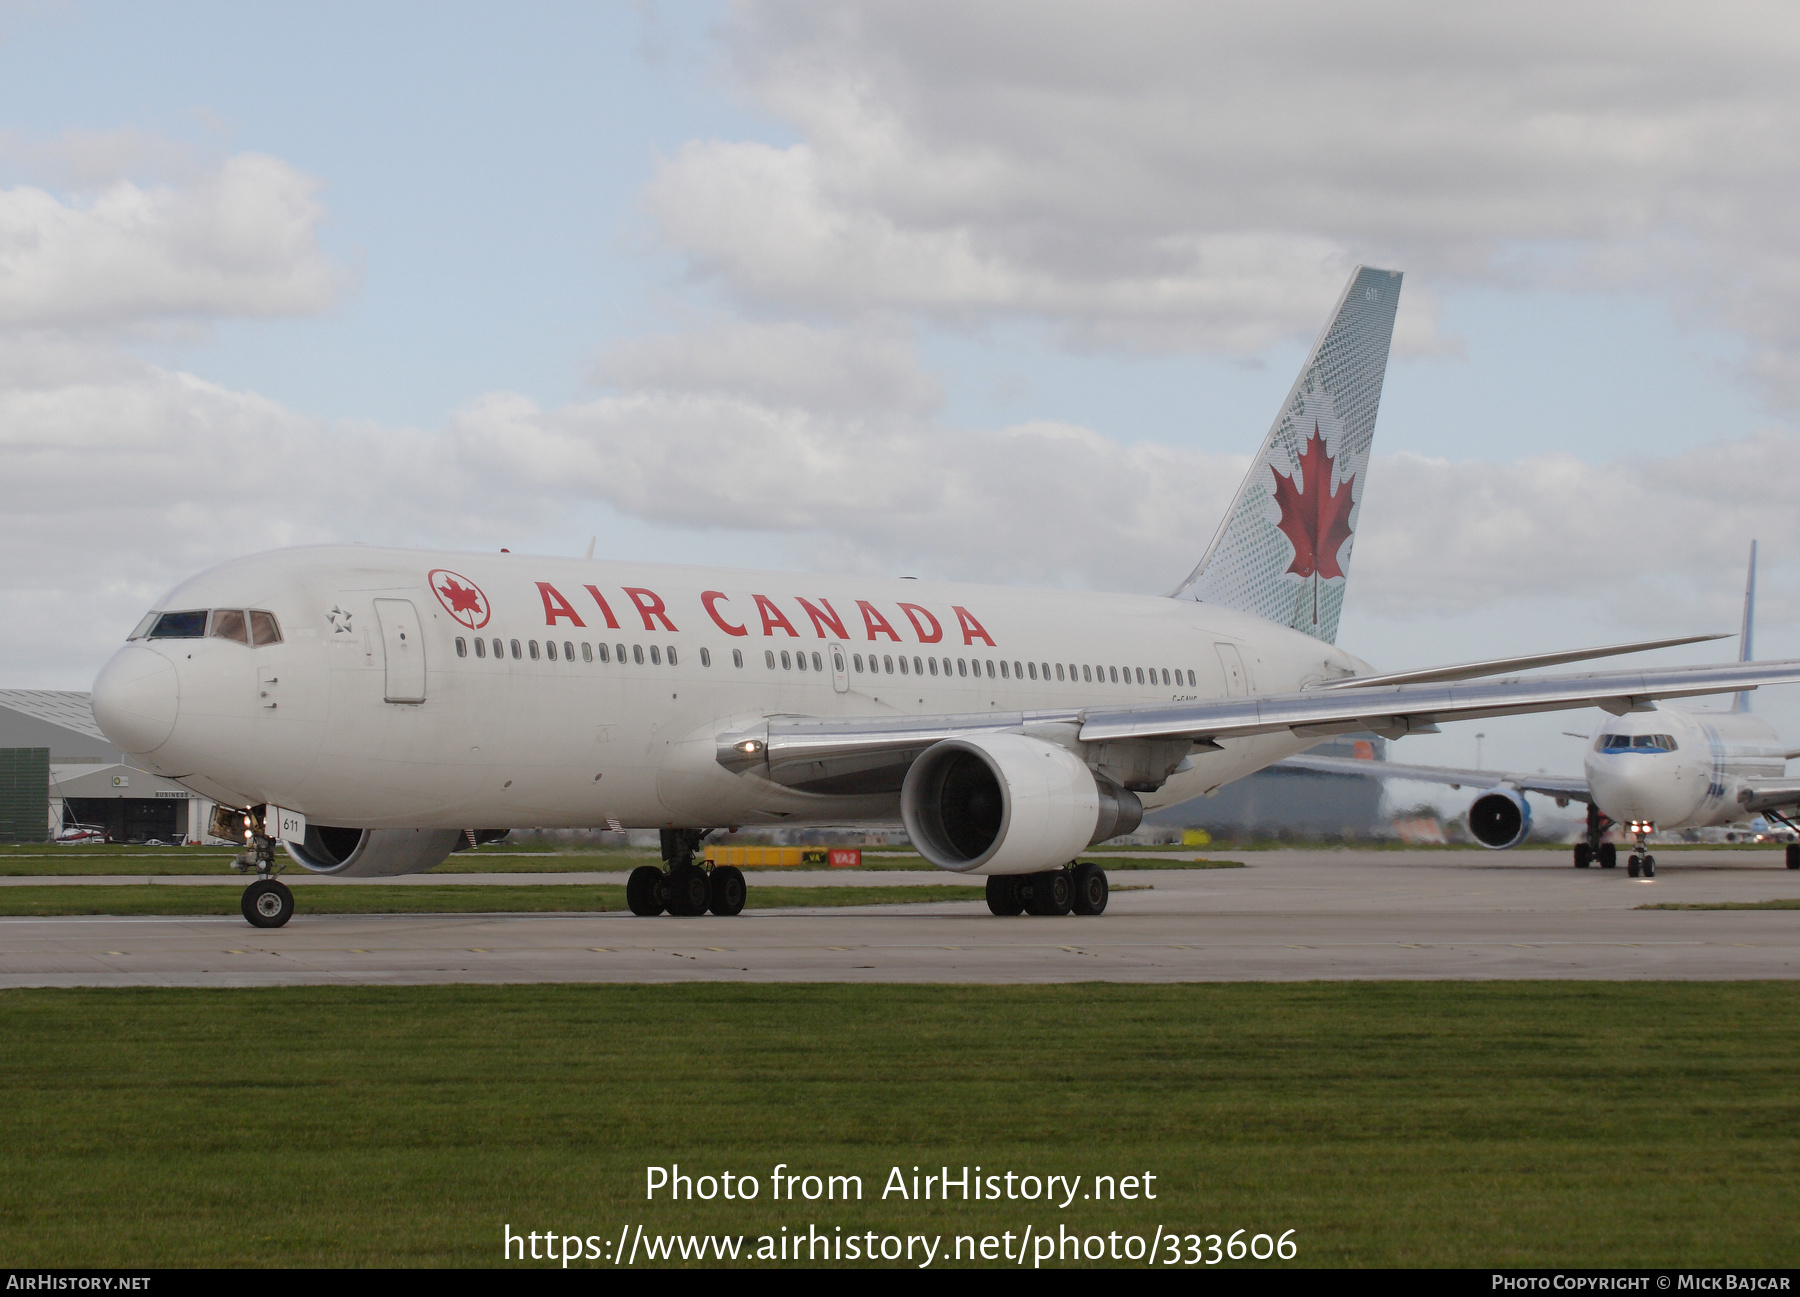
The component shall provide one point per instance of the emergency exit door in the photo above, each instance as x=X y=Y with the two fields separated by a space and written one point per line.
x=403 y=647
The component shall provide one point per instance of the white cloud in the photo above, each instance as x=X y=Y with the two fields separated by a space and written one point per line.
x=237 y=240
x=1188 y=176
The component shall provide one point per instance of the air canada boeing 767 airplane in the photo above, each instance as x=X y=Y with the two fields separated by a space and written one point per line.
x=363 y=712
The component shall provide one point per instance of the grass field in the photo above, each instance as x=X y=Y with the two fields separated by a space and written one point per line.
x=1473 y=1124
x=144 y=898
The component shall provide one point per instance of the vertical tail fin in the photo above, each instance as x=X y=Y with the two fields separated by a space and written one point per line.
x=1745 y=650
x=1283 y=550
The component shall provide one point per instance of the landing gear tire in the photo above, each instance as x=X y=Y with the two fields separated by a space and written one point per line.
x=1003 y=896
x=1631 y=866
x=1793 y=855
x=643 y=891
x=728 y=890
x=1091 y=889
x=1052 y=892
x=1649 y=867
x=268 y=903
x=1609 y=855
x=1584 y=855
x=688 y=891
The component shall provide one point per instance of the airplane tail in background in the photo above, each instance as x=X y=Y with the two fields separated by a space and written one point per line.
x=1283 y=551
x=1742 y=702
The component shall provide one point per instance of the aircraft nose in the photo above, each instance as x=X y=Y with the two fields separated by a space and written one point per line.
x=136 y=699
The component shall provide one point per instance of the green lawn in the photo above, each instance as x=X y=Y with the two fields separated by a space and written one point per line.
x=1470 y=1124
x=146 y=898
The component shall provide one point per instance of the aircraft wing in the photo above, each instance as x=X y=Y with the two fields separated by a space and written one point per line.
x=1571 y=788
x=867 y=754
x=1769 y=795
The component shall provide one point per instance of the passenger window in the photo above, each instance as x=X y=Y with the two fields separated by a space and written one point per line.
x=1115 y=675
x=818 y=662
x=228 y=623
x=1018 y=671
x=1087 y=672
x=769 y=657
x=619 y=652
x=605 y=654
x=264 y=629
x=786 y=663
x=990 y=666
x=837 y=661
x=587 y=651
x=1140 y=674
x=462 y=647
x=705 y=657
x=637 y=654
x=515 y=649
x=499 y=651
x=737 y=658
x=672 y=661
x=903 y=666
x=549 y=650
x=180 y=625
x=856 y=661
x=1059 y=671
x=1192 y=683
x=1003 y=671
x=946 y=666
x=655 y=656
x=962 y=667
x=532 y=645
x=481 y=648
x=933 y=664
x=1032 y=667
x=887 y=664
x=569 y=651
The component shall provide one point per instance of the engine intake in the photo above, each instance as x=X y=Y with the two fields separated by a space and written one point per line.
x=1008 y=804
x=1500 y=819
x=373 y=853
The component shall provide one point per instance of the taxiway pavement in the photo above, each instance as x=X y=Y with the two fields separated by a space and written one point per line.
x=1289 y=915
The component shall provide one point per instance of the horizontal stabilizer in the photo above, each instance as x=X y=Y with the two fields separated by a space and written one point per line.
x=1500 y=666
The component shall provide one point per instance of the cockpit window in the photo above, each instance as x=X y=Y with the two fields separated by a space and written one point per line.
x=228 y=623
x=143 y=627
x=264 y=629
x=180 y=625
x=1635 y=743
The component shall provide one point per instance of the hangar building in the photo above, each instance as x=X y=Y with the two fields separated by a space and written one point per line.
x=58 y=770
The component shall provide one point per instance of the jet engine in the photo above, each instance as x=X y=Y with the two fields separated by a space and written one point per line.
x=1500 y=818
x=1009 y=804
x=373 y=853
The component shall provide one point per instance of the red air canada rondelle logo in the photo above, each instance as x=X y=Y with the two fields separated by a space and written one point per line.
x=461 y=597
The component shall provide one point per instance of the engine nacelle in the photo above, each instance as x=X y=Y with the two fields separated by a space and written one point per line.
x=1500 y=819
x=373 y=853
x=1008 y=804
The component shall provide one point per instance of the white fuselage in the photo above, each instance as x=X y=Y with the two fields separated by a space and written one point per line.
x=1683 y=769
x=650 y=663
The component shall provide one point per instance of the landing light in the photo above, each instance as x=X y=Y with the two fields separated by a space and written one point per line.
x=750 y=747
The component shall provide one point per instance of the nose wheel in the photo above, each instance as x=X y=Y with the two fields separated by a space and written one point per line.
x=268 y=903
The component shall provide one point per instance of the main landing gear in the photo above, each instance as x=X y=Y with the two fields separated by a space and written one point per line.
x=685 y=887
x=1080 y=890
x=267 y=902
x=1642 y=864
x=1590 y=850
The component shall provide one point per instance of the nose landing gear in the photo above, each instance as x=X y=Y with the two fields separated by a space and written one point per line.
x=1642 y=864
x=267 y=902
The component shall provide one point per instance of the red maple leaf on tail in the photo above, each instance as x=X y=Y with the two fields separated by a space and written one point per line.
x=461 y=600
x=1315 y=517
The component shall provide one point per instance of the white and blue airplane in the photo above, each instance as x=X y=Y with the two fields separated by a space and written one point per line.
x=361 y=712
x=1647 y=767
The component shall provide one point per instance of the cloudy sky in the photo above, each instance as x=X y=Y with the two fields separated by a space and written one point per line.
x=1005 y=292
